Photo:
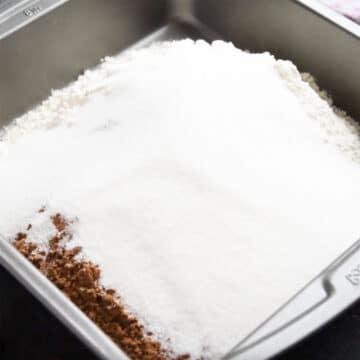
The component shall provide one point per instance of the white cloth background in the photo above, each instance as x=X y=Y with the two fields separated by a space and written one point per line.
x=350 y=8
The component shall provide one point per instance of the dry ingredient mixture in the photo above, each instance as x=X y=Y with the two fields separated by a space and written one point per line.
x=206 y=186
x=79 y=280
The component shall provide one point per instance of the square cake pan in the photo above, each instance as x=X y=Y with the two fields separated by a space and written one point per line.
x=45 y=44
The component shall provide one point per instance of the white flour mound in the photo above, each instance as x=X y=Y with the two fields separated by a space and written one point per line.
x=210 y=185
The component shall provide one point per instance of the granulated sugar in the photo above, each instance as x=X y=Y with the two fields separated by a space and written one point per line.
x=209 y=184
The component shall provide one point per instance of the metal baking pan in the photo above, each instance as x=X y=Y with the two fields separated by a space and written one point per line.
x=45 y=44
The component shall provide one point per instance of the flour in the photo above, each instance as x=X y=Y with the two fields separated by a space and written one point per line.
x=208 y=183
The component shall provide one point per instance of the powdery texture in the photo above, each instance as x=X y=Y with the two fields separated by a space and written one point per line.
x=79 y=280
x=209 y=185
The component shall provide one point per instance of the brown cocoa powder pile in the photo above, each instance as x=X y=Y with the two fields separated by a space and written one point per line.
x=79 y=280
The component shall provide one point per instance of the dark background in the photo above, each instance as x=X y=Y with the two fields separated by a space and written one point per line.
x=29 y=332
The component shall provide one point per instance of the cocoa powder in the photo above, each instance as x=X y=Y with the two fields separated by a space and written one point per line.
x=79 y=280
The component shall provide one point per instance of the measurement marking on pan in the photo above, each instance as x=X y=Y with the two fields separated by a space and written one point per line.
x=33 y=10
x=353 y=276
